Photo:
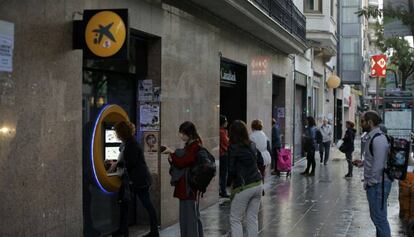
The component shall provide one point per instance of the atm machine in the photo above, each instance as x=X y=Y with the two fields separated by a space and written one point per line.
x=101 y=211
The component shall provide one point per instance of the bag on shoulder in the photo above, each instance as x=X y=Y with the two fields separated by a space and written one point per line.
x=319 y=137
x=203 y=171
x=125 y=192
x=397 y=159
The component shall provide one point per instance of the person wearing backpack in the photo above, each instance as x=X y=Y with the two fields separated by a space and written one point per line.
x=309 y=145
x=246 y=181
x=349 y=145
x=376 y=183
x=132 y=158
x=325 y=146
x=184 y=159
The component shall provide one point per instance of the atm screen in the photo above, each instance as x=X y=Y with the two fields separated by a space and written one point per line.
x=111 y=144
x=111 y=153
x=110 y=136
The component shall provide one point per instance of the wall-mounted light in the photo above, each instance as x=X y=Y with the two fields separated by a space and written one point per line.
x=333 y=81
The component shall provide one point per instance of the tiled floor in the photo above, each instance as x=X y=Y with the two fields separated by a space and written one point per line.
x=324 y=205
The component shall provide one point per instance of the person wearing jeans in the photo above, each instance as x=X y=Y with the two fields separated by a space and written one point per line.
x=325 y=146
x=349 y=145
x=376 y=182
x=377 y=200
x=309 y=146
x=246 y=181
x=246 y=204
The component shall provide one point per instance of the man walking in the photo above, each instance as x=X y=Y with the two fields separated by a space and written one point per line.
x=276 y=145
x=376 y=183
x=325 y=146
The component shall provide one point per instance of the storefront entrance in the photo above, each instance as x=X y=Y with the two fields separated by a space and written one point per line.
x=233 y=90
x=117 y=82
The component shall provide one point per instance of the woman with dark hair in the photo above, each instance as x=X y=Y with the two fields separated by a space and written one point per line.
x=246 y=181
x=309 y=145
x=190 y=222
x=349 y=145
x=132 y=158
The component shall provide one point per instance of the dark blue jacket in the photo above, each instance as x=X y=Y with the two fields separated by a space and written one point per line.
x=243 y=164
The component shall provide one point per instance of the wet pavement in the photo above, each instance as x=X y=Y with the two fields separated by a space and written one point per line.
x=324 y=205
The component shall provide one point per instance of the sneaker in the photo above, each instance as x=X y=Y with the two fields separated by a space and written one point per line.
x=304 y=173
x=311 y=174
x=348 y=175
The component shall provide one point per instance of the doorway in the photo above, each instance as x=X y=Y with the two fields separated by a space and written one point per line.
x=300 y=115
x=233 y=90
x=279 y=104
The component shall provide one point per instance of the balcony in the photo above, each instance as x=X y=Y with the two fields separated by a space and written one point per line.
x=276 y=22
x=287 y=14
x=321 y=33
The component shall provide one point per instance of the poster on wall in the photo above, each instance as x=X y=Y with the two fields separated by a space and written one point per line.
x=6 y=46
x=150 y=142
x=149 y=117
x=145 y=90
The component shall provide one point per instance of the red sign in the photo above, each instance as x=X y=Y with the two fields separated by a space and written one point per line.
x=378 y=65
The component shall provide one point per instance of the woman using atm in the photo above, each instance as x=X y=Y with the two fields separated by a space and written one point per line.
x=132 y=158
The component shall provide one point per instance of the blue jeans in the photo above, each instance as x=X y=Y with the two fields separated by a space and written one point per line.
x=324 y=147
x=379 y=214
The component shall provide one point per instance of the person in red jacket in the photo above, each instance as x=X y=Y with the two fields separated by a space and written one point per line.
x=180 y=159
x=224 y=163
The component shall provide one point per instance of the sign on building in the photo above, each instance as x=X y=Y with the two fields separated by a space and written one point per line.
x=379 y=65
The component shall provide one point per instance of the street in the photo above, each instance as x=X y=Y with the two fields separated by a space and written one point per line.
x=324 y=205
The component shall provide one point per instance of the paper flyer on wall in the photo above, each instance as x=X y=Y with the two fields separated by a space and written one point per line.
x=149 y=117
x=145 y=90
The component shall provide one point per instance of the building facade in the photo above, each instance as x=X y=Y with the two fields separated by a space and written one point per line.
x=206 y=57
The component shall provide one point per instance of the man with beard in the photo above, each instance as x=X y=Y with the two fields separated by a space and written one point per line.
x=376 y=183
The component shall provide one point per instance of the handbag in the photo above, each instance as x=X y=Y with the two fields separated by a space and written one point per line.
x=124 y=193
x=339 y=143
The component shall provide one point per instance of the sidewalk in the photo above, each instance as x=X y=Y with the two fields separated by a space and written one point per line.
x=324 y=205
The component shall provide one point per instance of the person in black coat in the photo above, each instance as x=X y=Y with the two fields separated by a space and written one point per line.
x=132 y=158
x=349 y=145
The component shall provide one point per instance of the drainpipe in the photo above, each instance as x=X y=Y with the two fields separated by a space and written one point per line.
x=294 y=109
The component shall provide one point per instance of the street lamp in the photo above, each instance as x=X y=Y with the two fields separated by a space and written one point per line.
x=333 y=81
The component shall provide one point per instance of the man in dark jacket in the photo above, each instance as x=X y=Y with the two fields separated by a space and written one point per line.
x=276 y=145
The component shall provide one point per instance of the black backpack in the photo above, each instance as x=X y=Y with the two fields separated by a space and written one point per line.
x=398 y=155
x=201 y=174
